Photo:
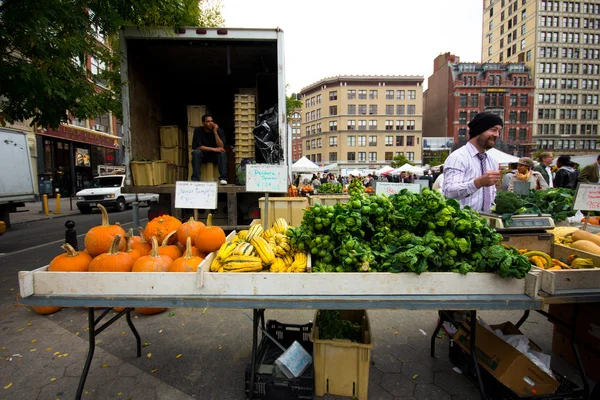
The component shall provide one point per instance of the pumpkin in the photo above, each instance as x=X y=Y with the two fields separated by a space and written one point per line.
x=113 y=261
x=187 y=263
x=71 y=261
x=45 y=310
x=198 y=253
x=210 y=238
x=153 y=262
x=140 y=243
x=172 y=250
x=188 y=229
x=99 y=239
x=133 y=253
x=161 y=227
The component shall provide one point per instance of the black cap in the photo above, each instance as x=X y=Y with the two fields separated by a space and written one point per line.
x=482 y=122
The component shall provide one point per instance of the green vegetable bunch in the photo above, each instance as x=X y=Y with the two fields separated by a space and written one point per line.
x=356 y=187
x=507 y=203
x=557 y=202
x=332 y=326
x=331 y=188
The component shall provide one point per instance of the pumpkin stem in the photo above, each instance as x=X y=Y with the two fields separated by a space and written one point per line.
x=71 y=252
x=130 y=232
x=141 y=231
x=188 y=248
x=209 y=221
x=191 y=220
x=128 y=241
x=165 y=241
x=104 y=215
x=114 y=247
x=154 y=252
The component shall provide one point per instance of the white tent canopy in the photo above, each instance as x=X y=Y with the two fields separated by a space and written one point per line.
x=501 y=157
x=385 y=170
x=305 y=165
x=583 y=160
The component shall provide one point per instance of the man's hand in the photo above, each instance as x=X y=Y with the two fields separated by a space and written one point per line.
x=490 y=178
x=219 y=150
x=215 y=128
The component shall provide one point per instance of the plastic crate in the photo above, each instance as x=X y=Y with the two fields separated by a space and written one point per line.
x=149 y=173
x=194 y=115
x=341 y=366
x=170 y=136
x=171 y=173
x=190 y=136
x=329 y=199
x=238 y=98
x=159 y=172
x=244 y=124
x=289 y=208
x=495 y=390
x=242 y=117
x=182 y=173
x=173 y=155
x=271 y=384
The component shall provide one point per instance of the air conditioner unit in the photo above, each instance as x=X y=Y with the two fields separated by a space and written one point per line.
x=99 y=128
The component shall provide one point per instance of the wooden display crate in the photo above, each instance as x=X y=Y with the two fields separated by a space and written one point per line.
x=536 y=241
x=328 y=199
x=571 y=280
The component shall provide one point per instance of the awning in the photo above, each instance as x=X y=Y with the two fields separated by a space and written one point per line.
x=83 y=135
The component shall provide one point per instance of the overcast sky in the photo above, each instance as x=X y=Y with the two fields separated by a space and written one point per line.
x=374 y=37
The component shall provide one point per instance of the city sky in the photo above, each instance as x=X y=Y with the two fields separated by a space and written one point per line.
x=376 y=37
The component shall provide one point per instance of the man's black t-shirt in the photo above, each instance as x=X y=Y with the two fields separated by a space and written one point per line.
x=203 y=138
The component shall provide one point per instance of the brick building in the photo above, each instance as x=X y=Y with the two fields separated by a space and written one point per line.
x=457 y=91
x=295 y=123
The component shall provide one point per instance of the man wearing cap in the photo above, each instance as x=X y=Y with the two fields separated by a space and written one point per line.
x=590 y=173
x=544 y=168
x=470 y=174
x=566 y=176
x=525 y=173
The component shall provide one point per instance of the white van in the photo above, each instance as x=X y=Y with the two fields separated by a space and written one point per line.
x=106 y=190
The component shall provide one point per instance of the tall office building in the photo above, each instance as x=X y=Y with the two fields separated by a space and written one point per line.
x=362 y=121
x=296 y=122
x=560 y=42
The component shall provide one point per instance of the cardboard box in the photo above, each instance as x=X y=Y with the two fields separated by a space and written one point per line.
x=587 y=329
x=561 y=348
x=511 y=367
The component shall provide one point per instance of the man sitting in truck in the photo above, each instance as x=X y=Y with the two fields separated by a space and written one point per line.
x=209 y=147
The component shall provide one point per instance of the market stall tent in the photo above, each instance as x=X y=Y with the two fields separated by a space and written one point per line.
x=384 y=171
x=305 y=165
x=501 y=157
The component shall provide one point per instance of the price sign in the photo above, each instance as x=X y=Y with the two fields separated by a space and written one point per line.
x=423 y=183
x=587 y=197
x=196 y=195
x=390 y=188
x=266 y=178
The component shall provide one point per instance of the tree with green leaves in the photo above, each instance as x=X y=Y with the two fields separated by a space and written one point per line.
x=291 y=104
x=45 y=44
x=399 y=161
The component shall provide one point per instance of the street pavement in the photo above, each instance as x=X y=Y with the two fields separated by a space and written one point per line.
x=190 y=353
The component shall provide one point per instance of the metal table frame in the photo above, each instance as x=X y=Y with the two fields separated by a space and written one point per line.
x=470 y=303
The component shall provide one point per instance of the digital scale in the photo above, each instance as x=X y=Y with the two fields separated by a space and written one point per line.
x=520 y=223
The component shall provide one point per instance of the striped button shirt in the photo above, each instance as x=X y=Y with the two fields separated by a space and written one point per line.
x=461 y=168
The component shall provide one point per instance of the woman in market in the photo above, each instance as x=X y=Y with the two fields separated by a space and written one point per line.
x=525 y=173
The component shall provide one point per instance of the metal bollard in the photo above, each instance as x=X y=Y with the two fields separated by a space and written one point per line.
x=57 y=204
x=71 y=234
x=45 y=203
x=136 y=215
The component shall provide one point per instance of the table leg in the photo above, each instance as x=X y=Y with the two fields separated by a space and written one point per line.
x=523 y=319
x=255 y=316
x=586 y=384
x=473 y=348
x=138 y=339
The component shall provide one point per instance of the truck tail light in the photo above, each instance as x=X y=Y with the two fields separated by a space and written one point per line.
x=201 y=31
x=221 y=31
x=180 y=30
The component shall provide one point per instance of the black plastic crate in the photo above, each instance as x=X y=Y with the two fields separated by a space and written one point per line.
x=270 y=384
x=495 y=390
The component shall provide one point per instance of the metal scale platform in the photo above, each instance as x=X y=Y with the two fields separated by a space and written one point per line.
x=520 y=223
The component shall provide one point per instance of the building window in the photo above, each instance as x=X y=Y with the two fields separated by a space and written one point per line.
x=410 y=140
x=463 y=100
x=389 y=109
x=373 y=94
x=362 y=109
x=400 y=110
x=389 y=95
x=373 y=125
x=362 y=124
x=332 y=110
x=373 y=109
x=412 y=95
x=523 y=117
x=98 y=67
x=362 y=156
x=513 y=100
x=351 y=124
x=399 y=140
x=399 y=125
x=319 y=143
x=362 y=141
x=318 y=99
x=333 y=125
x=524 y=100
x=333 y=141
x=389 y=140
x=333 y=95
x=351 y=109
x=389 y=125
x=410 y=155
x=522 y=133
x=410 y=125
x=313 y=144
x=472 y=115
x=462 y=117
x=101 y=123
x=351 y=141
x=389 y=155
x=372 y=140
x=462 y=134
x=523 y=29
x=411 y=110
x=400 y=94
x=307 y=103
x=512 y=117
x=474 y=100
x=512 y=134
x=332 y=157
x=523 y=44
x=362 y=94
x=351 y=94
x=308 y=145
x=351 y=156
x=372 y=156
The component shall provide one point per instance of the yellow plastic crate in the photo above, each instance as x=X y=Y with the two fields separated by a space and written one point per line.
x=149 y=173
x=245 y=124
x=238 y=98
x=243 y=117
x=194 y=115
x=341 y=366
x=159 y=172
x=190 y=135
x=172 y=173
x=290 y=208
x=174 y=155
x=329 y=199
x=170 y=136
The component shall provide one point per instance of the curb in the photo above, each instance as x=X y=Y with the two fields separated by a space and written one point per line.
x=42 y=218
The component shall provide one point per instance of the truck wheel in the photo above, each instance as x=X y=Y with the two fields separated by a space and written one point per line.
x=121 y=205
x=85 y=210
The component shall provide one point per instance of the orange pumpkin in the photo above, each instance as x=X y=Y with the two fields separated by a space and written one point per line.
x=71 y=261
x=153 y=262
x=99 y=239
x=133 y=253
x=113 y=261
x=172 y=250
x=210 y=238
x=188 y=229
x=198 y=253
x=161 y=227
x=140 y=244
x=45 y=310
x=187 y=263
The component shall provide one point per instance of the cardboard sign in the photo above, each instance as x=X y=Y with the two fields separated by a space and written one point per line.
x=521 y=188
x=587 y=197
x=266 y=178
x=196 y=195
x=390 y=188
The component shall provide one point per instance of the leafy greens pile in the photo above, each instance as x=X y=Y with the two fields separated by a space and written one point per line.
x=558 y=202
x=332 y=326
x=329 y=188
x=406 y=232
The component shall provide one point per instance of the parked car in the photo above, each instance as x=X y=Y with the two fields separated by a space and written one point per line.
x=106 y=190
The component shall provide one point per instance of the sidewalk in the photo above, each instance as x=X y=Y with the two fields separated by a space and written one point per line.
x=33 y=211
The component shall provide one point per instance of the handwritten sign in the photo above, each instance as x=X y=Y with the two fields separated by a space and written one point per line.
x=196 y=195
x=266 y=178
x=390 y=188
x=587 y=197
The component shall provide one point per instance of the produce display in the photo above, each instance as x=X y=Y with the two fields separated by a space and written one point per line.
x=99 y=239
x=256 y=249
x=578 y=239
x=113 y=260
x=188 y=262
x=557 y=202
x=209 y=238
x=332 y=326
x=356 y=188
x=406 y=232
x=331 y=188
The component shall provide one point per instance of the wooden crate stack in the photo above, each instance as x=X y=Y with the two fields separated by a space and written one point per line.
x=194 y=120
x=173 y=150
x=245 y=120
